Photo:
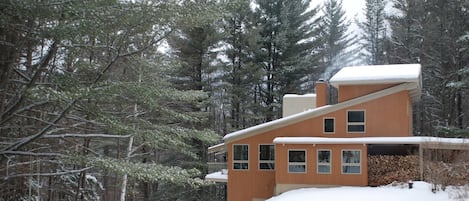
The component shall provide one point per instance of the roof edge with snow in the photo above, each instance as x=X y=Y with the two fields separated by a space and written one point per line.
x=220 y=176
x=374 y=74
x=380 y=74
x=430 y=142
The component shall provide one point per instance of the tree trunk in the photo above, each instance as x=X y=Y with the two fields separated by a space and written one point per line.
x=124 y=178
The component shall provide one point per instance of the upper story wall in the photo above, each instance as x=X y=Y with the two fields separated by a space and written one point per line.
x=347 y=92
x=389 y=116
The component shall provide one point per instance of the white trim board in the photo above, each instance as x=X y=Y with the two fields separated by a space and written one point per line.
x=457 y=143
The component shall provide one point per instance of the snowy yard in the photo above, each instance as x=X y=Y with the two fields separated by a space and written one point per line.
x=420 y=192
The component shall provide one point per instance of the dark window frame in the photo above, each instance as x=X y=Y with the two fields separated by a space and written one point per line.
x=240 y=161
x=326 y=126
x=356 y=124
x=349 y=164
x=297 y=164
x=324 y=163
x=267 y=163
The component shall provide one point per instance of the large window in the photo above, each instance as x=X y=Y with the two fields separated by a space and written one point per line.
x=324 y=161
x=266 y=157
x=356 y=121
x=329 y=125
x=240 y=157
x=296 y=161
x=351 y=162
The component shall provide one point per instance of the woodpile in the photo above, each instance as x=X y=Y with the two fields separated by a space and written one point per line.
x=386 y=169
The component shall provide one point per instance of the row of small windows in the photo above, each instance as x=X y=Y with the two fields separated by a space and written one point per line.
x=266 y=157
x=355 y=122
x=351 y=160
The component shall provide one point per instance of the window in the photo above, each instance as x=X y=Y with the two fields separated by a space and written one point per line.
x=296 y=161
x=356 y=121
x=351 y=162
x=324 y=161
x=266 y=157
x=329 y=125
x=240 y=157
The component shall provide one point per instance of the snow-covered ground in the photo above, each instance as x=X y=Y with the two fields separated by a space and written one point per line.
x=420 y=192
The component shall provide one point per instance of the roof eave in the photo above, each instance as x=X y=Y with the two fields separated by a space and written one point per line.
x=337 y=83
x=427 y=142
x=217 y=148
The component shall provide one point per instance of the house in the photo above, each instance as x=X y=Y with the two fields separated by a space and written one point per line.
x=321 y=145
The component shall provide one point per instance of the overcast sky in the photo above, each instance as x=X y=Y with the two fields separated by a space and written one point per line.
x=352 y=7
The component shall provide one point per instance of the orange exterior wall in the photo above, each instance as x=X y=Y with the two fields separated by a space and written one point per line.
x=348 y=92
x=243 y=185
x=384 y=117
x=311 y=176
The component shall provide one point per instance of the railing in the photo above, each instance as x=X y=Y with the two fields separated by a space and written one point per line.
x=217 y=167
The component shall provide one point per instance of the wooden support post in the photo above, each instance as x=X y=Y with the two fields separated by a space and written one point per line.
x=421 y=161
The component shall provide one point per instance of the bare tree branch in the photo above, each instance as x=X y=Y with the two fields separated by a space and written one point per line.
x=34 y=118
x=42 y=65
x=41 y=133
x=21 y=74
x=9 y=166
x=47 y=174
x=27 y=153
x=94 y=135
x=28 y=107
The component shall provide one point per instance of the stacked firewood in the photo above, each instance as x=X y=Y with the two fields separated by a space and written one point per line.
x=386 y=169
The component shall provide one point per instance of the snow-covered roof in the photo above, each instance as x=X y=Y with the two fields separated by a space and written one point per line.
x=459 y=143
x=299 y=96
x=217 y=177
x=377 y=74
x=217 y=148
x=268 y=126
x=381 y=74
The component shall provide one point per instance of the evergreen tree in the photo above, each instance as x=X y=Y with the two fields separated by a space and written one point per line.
x=89 y=104
x=241 y=77
x=373 y=33
x=338 y=44
x=191 y=46
x=337 y=50
x=286 y=43
x=433 y=33
x=406 y=47
x=406 y=36
x=447 y=56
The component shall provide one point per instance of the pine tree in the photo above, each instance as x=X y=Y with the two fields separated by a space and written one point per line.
x=373 y=33
x=433 y=34
x=406 y=36
x=90 y=82
x=240 y=74
x=446 y=53
x=191 y=45
x=286 y=43
x=337 y=50
x=406 y=47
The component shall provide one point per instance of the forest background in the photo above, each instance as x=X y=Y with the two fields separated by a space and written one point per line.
x=109 y=100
